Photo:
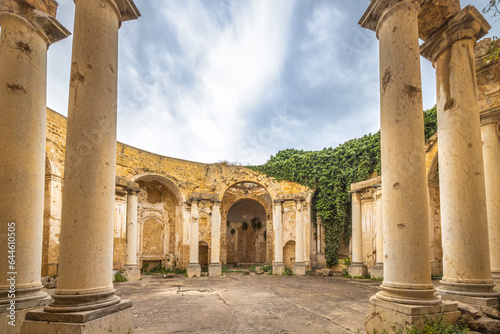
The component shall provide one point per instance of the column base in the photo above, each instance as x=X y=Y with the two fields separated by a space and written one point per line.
x=358 y=269
x=496 y=278
x=278 y=268
x=194 y=270
x=383 y=315
x=472 y=294
x=299 y=269
x=118 y=318
x=133 y=273
x=19 y=316
x=378 y=271
x=214 y=269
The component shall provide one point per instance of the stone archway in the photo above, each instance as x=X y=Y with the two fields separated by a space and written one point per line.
x=246 y=229
x=159 y=198
x=246 y=232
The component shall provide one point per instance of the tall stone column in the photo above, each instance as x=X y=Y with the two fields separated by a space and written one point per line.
x=85 y=296
x=26 y=35
x=215 y=269
x=131 y=267
x=378 y=268
x=278 y=264
x=194 y=268
x=407 y=291
x=490 y=131
x=466 y=258
x=299 y=267
x=357 y=268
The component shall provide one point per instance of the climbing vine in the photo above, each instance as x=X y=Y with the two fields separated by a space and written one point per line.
x=331 y=172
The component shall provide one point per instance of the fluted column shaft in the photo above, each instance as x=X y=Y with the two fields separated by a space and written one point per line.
x=23 y=83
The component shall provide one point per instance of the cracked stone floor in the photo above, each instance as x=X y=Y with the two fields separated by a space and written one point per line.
x=237 y=303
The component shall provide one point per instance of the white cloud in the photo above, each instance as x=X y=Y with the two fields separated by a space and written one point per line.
x=232 y=67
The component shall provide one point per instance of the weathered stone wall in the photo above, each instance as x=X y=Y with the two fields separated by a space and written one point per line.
x=164 y=207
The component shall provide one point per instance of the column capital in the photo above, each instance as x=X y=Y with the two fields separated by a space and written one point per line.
x=466 y=24
x=216 y=201
x=278 y=201
x=132 y=190
x=491 y=116
x=378 y=9
x=355 y=193
x=47 y=26
x=126 y=9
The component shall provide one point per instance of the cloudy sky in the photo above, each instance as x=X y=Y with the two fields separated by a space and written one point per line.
x=239 y=80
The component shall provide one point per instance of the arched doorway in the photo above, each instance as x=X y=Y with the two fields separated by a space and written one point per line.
x=246 y=231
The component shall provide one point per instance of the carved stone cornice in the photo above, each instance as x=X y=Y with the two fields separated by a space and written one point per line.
x=491 y=116
x=379 y=9
x=467 y=24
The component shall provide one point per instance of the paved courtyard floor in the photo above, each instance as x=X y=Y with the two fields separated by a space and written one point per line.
x=237 y=303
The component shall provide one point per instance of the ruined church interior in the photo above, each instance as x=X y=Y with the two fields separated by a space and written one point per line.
x=79 y=208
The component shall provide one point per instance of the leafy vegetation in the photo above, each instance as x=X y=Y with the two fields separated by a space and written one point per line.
x=331 y=172
x=438 y=326
x=119 y=277
x=492 y=6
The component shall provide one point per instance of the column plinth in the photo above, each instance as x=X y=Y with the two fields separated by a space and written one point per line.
x=278 y=264
x=215 y=268
x=490 y=133
x=86 y=240
x=378 y=268
x=466 y=258
x=194 y=268
x=24 y=42
x=407 y=290
x=357 y=267
x=131 y=267
x=299 y=267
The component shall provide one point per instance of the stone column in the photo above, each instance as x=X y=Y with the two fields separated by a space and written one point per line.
x=490 y=131
x=299 y=267
x=85 y=296
x=131 y=267
x=407 y=290
x=278 y=264
x=378 y=268
x=215 y=269
x=357 y=268
x=466 y=258
x=319 y=232
x=194 y=268
x=25 y=38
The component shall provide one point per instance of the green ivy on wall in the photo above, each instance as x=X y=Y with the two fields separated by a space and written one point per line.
x=331 y=172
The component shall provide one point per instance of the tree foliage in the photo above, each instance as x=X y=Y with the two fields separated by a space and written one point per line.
x=492 y=6
x=331 y=172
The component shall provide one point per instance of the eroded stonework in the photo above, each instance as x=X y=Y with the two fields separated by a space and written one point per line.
x=167 y=187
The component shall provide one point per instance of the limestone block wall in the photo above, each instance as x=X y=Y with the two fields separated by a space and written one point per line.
x=167 y=186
